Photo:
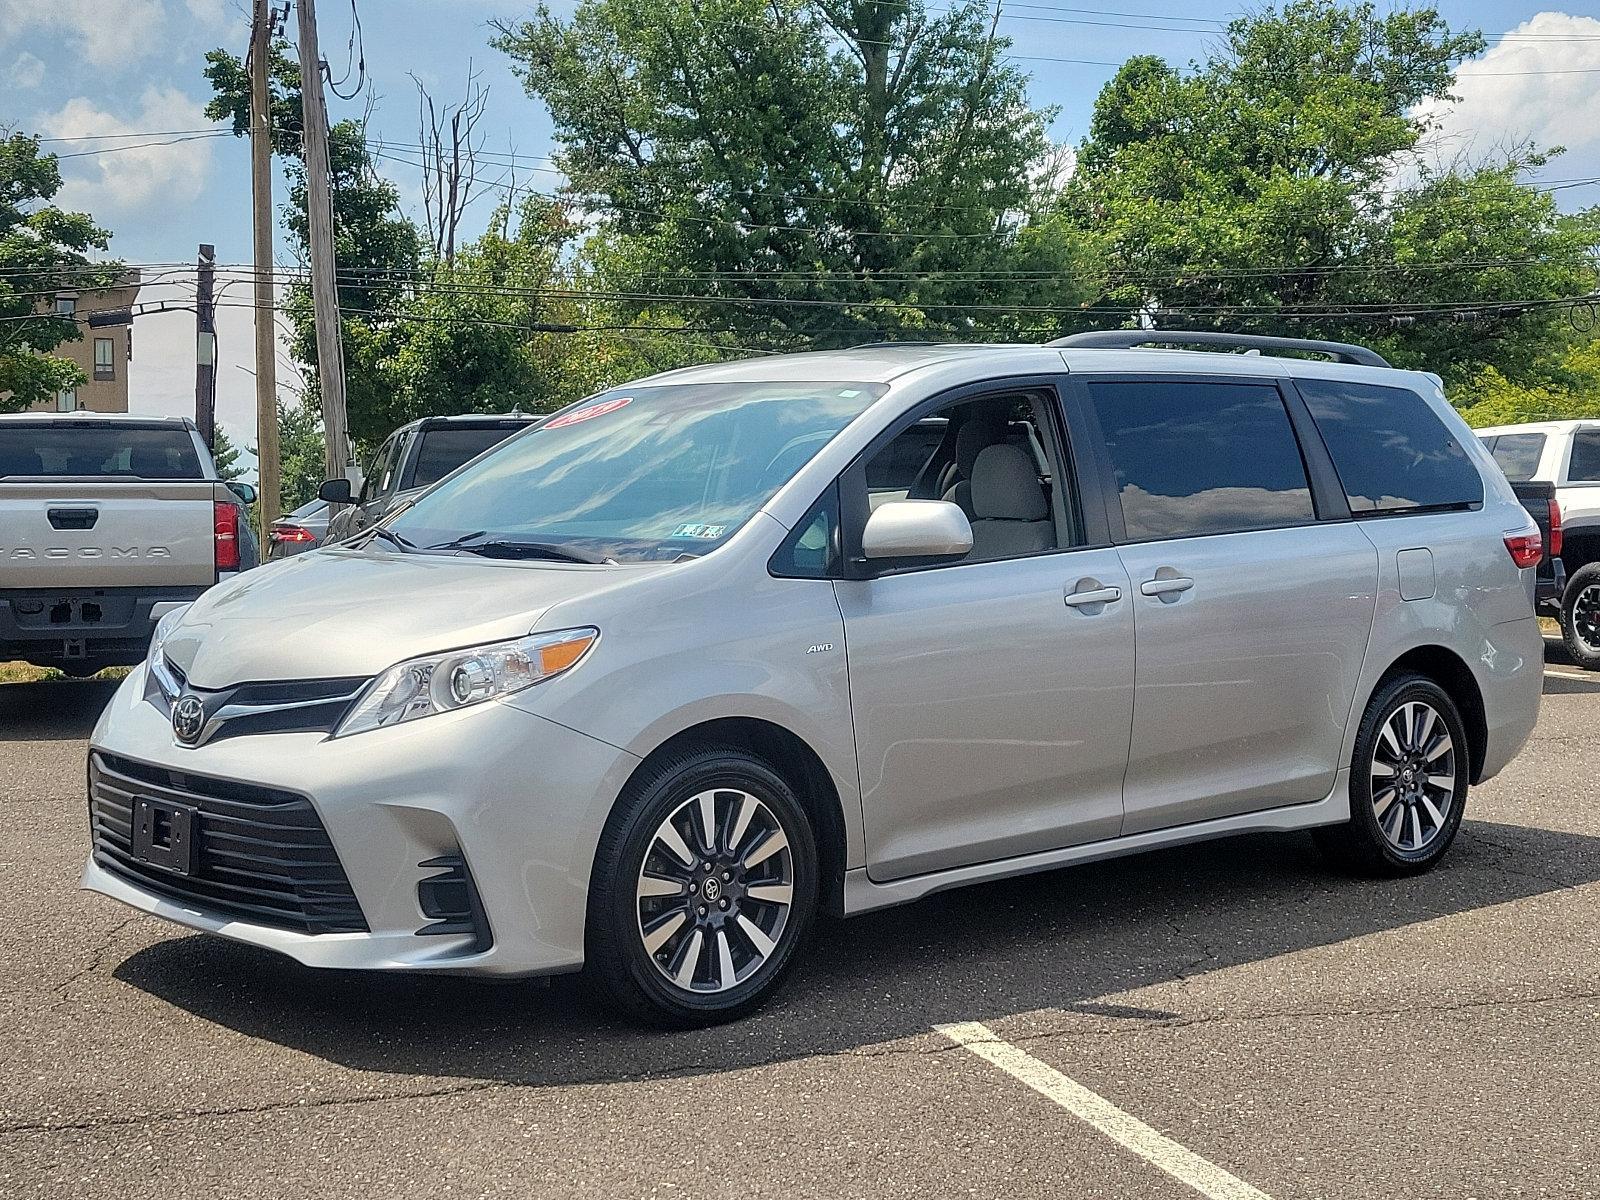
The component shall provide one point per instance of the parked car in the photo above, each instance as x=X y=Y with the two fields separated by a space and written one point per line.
x=411 y=458
x=303 y=529
x=108 y=522
x=1566 y=454
x=644 y=689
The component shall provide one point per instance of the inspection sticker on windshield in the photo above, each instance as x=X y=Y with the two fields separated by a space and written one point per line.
x=588 y=412
x=710 y=532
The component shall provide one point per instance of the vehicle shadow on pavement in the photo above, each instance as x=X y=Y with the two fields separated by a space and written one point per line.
x=53 y=710
x=1061 y=940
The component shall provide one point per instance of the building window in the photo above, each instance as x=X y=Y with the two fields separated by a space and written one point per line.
x=104 y=359
x=67 y=400
x=66 y=306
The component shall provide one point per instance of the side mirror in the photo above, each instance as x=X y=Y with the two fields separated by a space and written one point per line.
x=916 y=529
x=244 y=491
x=335 y=491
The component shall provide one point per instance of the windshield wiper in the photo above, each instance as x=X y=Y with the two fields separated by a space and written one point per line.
x=512 y=548
x=394 y=539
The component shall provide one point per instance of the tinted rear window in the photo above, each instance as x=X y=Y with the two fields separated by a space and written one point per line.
x=1196 y=458
x=82 y=449
x=443 y=450
x=1518 y=454
x=1585 y=464
x=1390 y=448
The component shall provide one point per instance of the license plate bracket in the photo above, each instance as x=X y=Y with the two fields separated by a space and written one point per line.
x=164 y=835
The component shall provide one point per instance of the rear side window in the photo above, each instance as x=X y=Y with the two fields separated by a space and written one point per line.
x=1391 y=450
x=86 y=450
x=1585 y=464
x=1196 y=458
x=1518 y=454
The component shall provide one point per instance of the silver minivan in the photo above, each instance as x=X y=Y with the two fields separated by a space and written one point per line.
x=648 y=687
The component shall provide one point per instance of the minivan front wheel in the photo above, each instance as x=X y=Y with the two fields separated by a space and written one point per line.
x=1408 y=782
x=705 y=883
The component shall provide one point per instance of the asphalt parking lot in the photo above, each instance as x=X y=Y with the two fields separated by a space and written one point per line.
x=1298 y=1033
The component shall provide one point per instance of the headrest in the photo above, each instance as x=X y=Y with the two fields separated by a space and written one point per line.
x=21 y=461
x=980 y=429
x=1005 y=486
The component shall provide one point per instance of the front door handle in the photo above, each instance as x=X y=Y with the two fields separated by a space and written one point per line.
x=1165 y=587
x=1093 y=595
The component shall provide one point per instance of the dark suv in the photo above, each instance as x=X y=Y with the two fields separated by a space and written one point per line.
x=411 y=458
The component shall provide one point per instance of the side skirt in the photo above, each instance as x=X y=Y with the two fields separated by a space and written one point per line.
x=861 y=894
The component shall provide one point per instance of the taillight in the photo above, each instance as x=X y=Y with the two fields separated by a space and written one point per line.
x=291 y=533
x=226 y=526
x=1526 y=548
x=1555 y=529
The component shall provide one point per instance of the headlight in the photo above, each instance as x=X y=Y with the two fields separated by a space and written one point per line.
x=439 y=683
x=164 y=628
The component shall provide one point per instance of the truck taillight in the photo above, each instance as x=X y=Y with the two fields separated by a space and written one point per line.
x=1555 y=529
x=226 y=525
x=1526 y=547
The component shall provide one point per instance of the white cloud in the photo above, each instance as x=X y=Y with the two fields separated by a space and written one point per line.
x=132 y=175
x=26 y=72
x=105 y=33
x=1530 y=85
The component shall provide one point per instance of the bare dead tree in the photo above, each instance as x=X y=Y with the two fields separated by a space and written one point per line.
x=451 y=145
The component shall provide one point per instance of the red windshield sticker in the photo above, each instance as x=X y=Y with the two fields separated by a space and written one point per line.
x=588 y=412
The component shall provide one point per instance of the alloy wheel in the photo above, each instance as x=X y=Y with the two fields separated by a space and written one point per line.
x=1586 y=618
x=1413 y=776
x=715 y=890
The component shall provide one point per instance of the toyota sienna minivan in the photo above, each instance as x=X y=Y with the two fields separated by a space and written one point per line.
x=646 y=688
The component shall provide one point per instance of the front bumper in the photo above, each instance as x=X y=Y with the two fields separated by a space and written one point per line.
x=519 y=797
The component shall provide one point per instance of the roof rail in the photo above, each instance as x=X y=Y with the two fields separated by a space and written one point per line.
x=1128 y=339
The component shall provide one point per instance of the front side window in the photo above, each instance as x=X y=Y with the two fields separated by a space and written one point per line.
x=1391 y=450
x=377 y=474
x=648 y=473
x=1195 y=458
x=1518 y=454
x=1585 y=464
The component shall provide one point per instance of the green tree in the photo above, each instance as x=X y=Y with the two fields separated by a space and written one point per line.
x=302 y=464
x=226 y=455
x=1259 y=191
x=43 y=250
x=807 y=171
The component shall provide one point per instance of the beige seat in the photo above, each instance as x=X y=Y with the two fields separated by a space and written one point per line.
x=1012 y=513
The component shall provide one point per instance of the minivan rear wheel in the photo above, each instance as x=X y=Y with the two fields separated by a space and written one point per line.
x=704 y=886
x=1408 y=782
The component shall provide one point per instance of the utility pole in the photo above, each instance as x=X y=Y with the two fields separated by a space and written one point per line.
x=205 y=347
x=269 y=489
x=319 y=220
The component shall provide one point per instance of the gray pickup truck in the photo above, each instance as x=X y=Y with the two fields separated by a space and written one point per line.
x=107 y=522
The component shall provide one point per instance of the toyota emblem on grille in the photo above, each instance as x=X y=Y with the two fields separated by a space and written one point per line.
x=188 y=718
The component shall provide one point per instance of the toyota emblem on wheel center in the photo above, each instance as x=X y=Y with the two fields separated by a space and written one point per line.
x=188 y=718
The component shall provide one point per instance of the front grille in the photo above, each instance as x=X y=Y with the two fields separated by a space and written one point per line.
x=262 y=854
x=280 y=706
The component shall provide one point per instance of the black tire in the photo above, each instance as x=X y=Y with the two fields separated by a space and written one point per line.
x=643 y=982
x=1580 y=617
x=1368 y=846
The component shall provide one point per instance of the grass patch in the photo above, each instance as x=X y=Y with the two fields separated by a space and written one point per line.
x=21 y=672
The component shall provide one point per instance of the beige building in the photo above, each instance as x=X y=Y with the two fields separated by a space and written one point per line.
x=102 y=353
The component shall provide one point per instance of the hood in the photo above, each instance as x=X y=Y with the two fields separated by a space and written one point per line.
x=340 y=613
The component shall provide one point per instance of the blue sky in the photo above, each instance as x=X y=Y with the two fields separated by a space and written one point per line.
x=68 y=70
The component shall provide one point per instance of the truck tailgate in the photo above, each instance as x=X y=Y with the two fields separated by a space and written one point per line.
x=62 y=533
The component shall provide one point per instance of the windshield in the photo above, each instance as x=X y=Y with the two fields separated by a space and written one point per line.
x=640 y=474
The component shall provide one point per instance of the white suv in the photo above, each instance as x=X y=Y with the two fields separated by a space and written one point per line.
x=1567 y=454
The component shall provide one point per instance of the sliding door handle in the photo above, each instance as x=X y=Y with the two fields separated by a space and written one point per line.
x=1095 y=595
x=1165 y=587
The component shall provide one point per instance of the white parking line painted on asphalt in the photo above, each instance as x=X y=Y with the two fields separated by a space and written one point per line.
x=1123 y=1128
x=1585 y=676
